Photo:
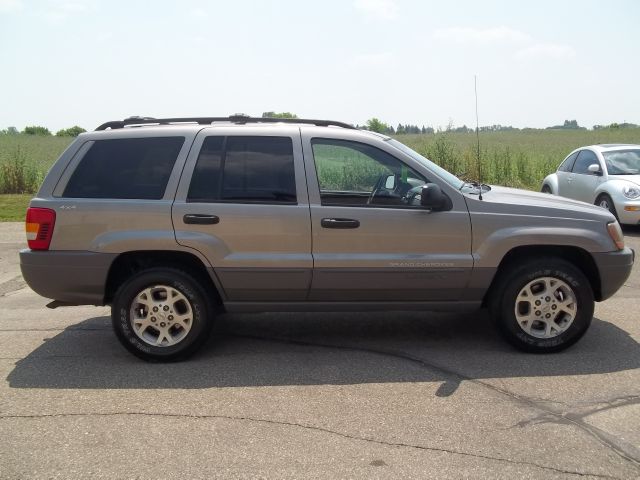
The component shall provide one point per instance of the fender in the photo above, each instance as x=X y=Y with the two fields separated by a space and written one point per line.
x=552 y=182
x=493 y=248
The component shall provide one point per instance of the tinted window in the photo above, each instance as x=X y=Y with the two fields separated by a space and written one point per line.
x=125 y=168
x=244 y=169
x=567 y=165
x=205 y=183
x=585 y=158
x=352 y=173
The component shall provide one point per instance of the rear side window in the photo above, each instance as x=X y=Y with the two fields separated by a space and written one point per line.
x=136 y=168
x=567 y=165
x=244 y=170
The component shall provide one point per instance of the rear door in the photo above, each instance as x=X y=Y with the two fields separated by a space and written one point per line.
x=369 y=243
x=242 y=202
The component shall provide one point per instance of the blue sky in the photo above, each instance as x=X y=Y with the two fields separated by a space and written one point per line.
x=538 y=63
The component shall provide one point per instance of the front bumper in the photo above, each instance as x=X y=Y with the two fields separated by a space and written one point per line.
x=628 y=212
x=67 y=276
x=614 y=268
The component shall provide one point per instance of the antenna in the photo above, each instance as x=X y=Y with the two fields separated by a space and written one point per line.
x=475 y=87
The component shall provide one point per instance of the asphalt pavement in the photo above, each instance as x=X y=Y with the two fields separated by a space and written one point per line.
x=385 y=395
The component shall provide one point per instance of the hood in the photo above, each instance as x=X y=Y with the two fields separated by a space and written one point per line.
x=629 y=178
x=515 y=201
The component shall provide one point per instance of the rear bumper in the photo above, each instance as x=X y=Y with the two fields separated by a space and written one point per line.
x=68 y=276
x=614 y=268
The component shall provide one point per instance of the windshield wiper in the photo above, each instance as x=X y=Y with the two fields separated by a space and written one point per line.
x=483 y=187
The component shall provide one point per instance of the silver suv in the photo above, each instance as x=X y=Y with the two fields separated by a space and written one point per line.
x=171 y=221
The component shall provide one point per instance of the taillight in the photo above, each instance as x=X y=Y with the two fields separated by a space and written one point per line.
x=40 y=223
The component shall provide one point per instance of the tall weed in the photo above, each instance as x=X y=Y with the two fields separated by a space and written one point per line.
x=17 y=176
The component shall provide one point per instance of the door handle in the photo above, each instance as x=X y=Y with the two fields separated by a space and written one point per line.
x=200 y=219
x=339 y=223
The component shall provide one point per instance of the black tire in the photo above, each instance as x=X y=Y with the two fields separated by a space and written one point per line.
x=605 y=202
x=567 y=279
x=546 y=189
x=191 y=303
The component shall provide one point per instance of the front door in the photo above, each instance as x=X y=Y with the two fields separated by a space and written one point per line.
x=584 y=183
x=370 y=240
x=565 y=176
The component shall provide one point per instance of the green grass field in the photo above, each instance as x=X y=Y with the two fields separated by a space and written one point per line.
x=512 y=158
x=13 y=207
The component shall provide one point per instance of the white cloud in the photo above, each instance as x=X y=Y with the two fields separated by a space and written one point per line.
x=481 y=35
x=10 y=5
x=378 y=9
x=546 y=51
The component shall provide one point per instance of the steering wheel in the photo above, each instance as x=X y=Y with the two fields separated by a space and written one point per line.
x=382 y=179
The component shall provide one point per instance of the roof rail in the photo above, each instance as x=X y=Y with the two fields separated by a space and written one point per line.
x=238 y=119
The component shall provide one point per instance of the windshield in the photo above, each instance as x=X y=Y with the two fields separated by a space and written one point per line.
x=622 y=162
x=448 y=177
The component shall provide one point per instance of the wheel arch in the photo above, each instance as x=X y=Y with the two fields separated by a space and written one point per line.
x=552 y=182
x=578 y=257
x=129 y=263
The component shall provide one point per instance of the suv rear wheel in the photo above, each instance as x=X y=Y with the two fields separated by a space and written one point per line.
x=161 y=314
x=544 y=305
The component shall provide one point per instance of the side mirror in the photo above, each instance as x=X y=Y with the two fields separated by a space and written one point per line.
x=595 y=169
x=434 y=198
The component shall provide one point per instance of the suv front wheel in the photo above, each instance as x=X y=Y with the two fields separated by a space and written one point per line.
x=161 y=314
x=544 y=305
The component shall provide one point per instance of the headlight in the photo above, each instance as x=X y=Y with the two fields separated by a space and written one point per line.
x=615 y=232
x=631 y=191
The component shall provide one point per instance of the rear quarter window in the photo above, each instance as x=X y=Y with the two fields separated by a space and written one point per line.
x=135 y=168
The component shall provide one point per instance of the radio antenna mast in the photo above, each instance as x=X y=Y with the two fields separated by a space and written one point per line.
x=475 y=87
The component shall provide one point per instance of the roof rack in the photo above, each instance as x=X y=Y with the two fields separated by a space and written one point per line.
x=237 y=119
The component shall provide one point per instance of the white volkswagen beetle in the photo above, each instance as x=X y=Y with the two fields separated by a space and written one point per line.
x=606 y=175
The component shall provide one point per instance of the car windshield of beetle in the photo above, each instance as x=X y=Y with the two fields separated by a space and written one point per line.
x=622 y=162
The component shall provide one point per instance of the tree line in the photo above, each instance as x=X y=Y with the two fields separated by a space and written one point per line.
x=43 y=131
x=373 y=124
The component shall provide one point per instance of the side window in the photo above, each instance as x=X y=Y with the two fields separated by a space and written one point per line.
x=244 y=170
x=353 y=173
x=205 y=182
x=567 y=165
x=586 y=158
x=136 y=168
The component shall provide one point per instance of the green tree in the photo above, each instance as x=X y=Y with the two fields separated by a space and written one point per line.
x=70 y=132
x=279 y=115
x=36 y=130
x=375 y=125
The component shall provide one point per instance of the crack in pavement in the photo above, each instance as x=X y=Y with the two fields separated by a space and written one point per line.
x=313 y=428
x=614 y=444
x=572 y=417
x=622 y=449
